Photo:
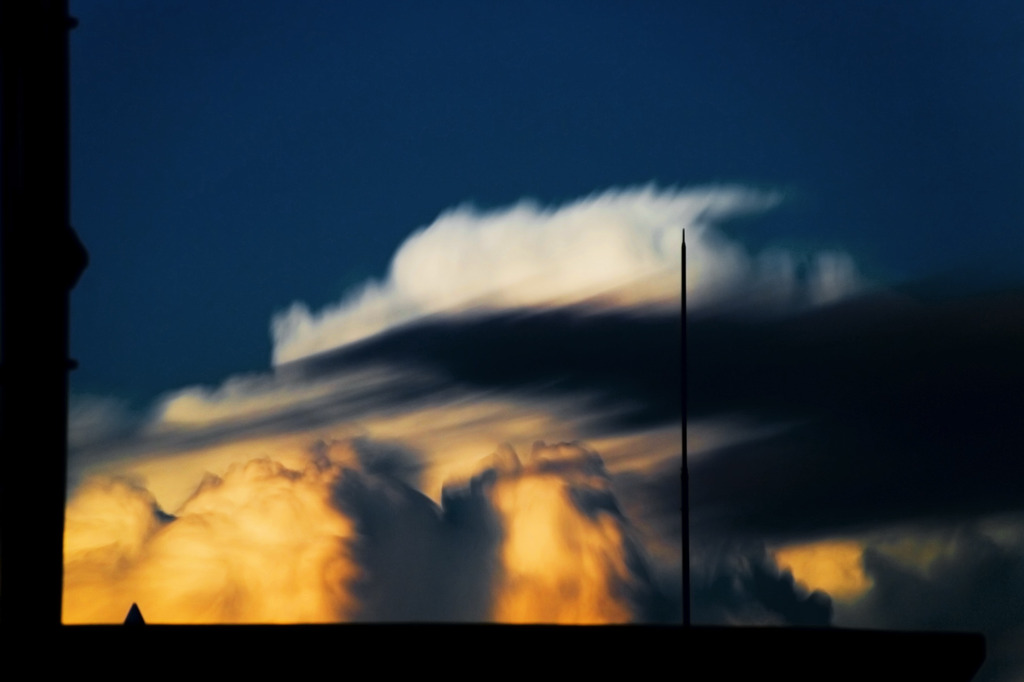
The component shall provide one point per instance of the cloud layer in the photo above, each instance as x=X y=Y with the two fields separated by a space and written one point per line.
x=881 y=454
x=347 y=538
x=891 y=409
x=964 y=576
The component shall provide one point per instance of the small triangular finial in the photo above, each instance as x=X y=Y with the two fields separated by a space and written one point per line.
x=134 y=616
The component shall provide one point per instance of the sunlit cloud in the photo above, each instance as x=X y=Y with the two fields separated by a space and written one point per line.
x=260 y=544
x=238 y=398
x=832 y=566
x=448 y=430
x=566 y=552
x=540 y=540
x=619 y=249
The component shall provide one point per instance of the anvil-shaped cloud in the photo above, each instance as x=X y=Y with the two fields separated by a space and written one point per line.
x=360 y=447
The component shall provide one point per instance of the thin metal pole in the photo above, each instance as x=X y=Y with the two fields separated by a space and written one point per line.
x=685 y=472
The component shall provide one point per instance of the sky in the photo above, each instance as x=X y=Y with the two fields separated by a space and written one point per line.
x=390 y=285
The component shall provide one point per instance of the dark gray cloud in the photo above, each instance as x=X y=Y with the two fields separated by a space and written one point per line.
x=742 y=584
x=974 y=584
x=618 y=371
x=389 y=459
x=899 y=408
x=418 y=562
x=629 y=361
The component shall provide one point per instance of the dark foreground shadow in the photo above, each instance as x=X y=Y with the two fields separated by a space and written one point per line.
x=712 y=653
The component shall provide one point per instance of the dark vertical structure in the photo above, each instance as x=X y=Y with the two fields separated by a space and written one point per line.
x=685 y=472
x=40 y=261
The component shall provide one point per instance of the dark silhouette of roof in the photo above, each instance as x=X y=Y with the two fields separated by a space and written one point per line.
x=134 y=616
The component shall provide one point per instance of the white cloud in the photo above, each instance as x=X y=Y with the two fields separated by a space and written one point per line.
x=255 y=396
x=520 y=256
x=616 y=249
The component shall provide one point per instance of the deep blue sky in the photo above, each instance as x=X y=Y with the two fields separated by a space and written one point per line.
x=229 y=158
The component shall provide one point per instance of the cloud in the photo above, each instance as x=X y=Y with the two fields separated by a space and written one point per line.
x=834 y=566
x=528 y=322
x=616 y=250
x=965 y=576
x=893 y=409
x=534 y=541
x=621 y=364
x=239 y=398
x=340 y=535
x=93 y=419
x=418 y=562
x=447 y=426
x=567 y=555
x=260 y=544
x=436 y=386
x=589 y=361
x=109 y=521
x=740 y=584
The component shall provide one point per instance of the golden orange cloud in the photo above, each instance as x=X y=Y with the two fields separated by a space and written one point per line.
x=278 y=542
x=833 y=566
x=560 y=565
x=262 y=544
